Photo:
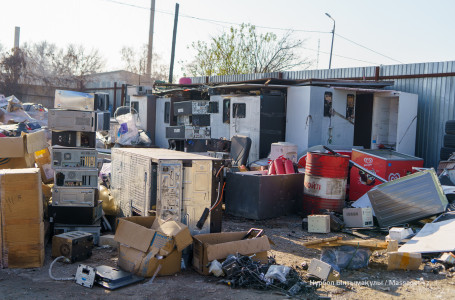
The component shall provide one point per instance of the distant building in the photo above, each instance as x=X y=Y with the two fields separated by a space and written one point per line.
x=107 y=79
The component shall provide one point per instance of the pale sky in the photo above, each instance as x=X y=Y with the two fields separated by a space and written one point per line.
x=399 y=31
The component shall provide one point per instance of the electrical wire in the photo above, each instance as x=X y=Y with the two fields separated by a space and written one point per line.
x=264 y=27
x=212 y=20
x=55 y=278
x=345 y=38
x=220 y=198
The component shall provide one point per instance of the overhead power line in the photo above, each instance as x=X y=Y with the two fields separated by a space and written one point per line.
x=265 y=27
x=212 y=20
x=351 y=58
x=345 y=38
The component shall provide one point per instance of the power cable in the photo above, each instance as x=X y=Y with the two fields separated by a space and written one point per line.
x=265 y=27
x=365 y=61
x=345 y=38
x=212 y=20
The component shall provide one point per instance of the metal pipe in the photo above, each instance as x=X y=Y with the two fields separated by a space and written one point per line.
x=357 y=165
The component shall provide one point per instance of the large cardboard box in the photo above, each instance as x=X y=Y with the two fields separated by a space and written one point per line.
x=26 y=161
x=147 y=242
x=211 y=246
x=21 y=218
x=28 y=143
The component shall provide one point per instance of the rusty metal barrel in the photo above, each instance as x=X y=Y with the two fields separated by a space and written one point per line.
x=325 y=182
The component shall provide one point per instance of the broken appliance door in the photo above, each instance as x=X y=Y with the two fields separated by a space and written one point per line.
x=197 y=195
x=245 y=119
x=169 y=193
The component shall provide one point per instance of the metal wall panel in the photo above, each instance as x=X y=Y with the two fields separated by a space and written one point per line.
x=436 y=95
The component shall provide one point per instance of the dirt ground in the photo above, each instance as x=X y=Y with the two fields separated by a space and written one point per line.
x=374 y=282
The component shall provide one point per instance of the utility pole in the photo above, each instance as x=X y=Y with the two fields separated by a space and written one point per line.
x=333 y=36
x=317 y=60
x=17 y=33
x=174 y=36
x=150 y=48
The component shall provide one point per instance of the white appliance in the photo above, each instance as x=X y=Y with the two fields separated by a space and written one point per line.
x=351 y=117
x=177 y=185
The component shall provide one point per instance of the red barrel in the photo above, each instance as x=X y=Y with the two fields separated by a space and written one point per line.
x=325 y=182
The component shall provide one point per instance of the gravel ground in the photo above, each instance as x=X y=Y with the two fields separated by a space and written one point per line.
x=374 y=282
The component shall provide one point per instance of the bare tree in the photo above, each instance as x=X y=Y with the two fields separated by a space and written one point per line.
x=12 y=70
x=65 y=67
x=135 y=60
x=243 y=50
x=75 y=63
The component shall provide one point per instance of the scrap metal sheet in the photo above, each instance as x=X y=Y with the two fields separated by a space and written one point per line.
x=433 y=237
x=409 y=198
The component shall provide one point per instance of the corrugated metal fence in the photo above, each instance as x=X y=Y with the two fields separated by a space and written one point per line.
x=433 y=82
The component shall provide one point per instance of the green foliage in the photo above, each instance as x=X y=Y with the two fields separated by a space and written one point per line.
x=243 y=50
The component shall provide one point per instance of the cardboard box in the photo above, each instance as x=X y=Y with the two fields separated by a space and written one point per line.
x=43 y=161
x=404 y=261
x=358 y=217
x=319 y=223
x=27 y=161
x=211 y=246
x=146 y=242
x=28 y=143
x=22 y=227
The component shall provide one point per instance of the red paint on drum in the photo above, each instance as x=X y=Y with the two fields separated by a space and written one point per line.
x=325 y=182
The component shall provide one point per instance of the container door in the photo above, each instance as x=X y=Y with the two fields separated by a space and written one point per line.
x=197 y=194
x=169 y=194
x=407 y=123
x=245 y=120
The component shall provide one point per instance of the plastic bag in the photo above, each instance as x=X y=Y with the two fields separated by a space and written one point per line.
x=127 y=133
x=277 y=272
x=346 y=257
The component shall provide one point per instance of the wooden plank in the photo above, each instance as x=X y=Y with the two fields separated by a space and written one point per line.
x=338 y=241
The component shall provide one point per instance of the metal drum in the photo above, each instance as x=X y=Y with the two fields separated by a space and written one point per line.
x=325 y=182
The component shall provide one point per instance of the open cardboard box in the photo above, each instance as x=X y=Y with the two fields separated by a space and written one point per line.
x=18 y=152
x=27 y=143
x=147 y=242
x=211 y=246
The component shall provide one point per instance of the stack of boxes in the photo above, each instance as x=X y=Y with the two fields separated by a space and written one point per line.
x=74 y=122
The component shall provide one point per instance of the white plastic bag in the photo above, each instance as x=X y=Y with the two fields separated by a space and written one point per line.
x=277 y=272
x=127 y=133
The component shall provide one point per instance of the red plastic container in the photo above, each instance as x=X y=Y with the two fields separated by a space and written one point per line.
x=325 y=182
x=279 y=166
x=289 y=167
x=271 y=168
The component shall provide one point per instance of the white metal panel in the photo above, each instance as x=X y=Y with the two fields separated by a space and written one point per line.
x=142 y=110
x=336 y=130
x=384 y=121
x=407 y=123
x=160 y=130
x=317 y=134
x=298 y=117
x=197 y=194
x=169 y=193
x=248 y=126
x=217 y=127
